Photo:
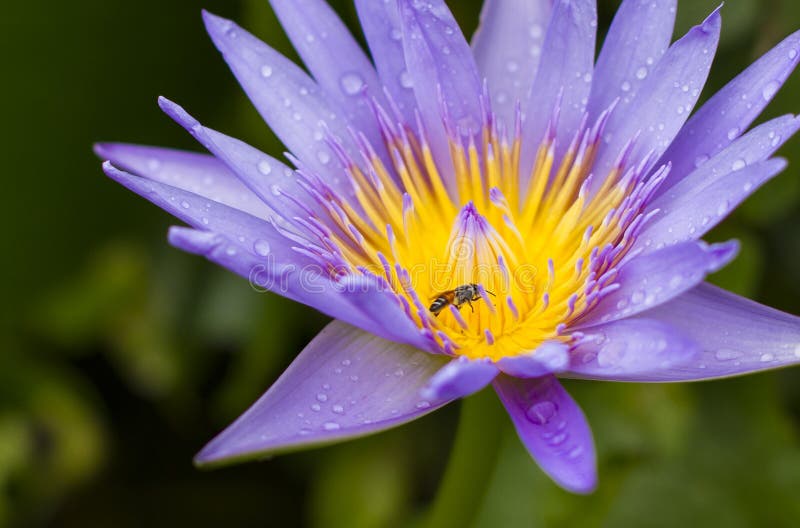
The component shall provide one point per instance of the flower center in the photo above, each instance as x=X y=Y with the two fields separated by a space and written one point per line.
x=491 y=260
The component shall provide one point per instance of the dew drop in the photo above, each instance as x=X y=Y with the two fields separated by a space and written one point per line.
x=626 y=86
x=733 y=133
x=323 y=157
x=542 y=412
x=204 y=220
x=405 y=79
x=637 y=297
x=512 y=66
x=315 y=407
x=338 y=409
x=322 y=397
x=575 y=452
x=153 y=165
x=423 y=404
x=346 y=362
x=558 y=439
x=276 y=189
x=727 y=354
x=351 y=83
x=261 y=247
x=395 y=34
x=723 y=208
x=739 y=164
x=536 y=31
x=641 y=73
x=769 y=90
x=792 y=53
x=675 y=281
x=185 y=204
x=767 y=357
x=330 y=426
x=264 y=167
x=266 y=71
x=699 y=160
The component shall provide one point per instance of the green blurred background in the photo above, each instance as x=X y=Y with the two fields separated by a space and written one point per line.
x=120 y=356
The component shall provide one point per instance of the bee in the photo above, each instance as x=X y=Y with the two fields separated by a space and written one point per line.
x=464 y=294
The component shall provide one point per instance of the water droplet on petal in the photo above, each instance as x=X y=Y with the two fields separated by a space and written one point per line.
x=322 y=397
x=405 y=79
x=266 y=71
x=185 y=204
x=261 y=247
x=351 y=83
x=733 y=133
x=264 y=167
x=575 y=452
x=542 y=412
x=323 y=157
x=315 y=407
x=423 y=404
x=739 y=164
x=338 y=409
x=769 y=90
x=330 y=426
x=626 y=86
x=727 y=354
x=767 y=357
x=641 y=73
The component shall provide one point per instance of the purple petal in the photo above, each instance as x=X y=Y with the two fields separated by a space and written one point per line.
x=346 y=383
x=288 y=100
x=267 y=177
x=550 y=357
x=459 y=378
x=638 y=37
x=357 y=300
x=440 y=62
x=737 y=335
x=564 y=77
x=382 y=28
x=254 y=235
x=553 y=429
x=507 y=48
x=631 y=350
x=665 y=99
x=197 y=173
x=699 y=202
x=649 y=280
x=731 y=110
x=333 y=57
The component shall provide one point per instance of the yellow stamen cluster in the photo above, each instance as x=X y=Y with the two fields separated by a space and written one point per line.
x=528 y=242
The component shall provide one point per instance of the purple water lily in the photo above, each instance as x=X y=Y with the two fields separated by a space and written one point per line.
x=504 y=212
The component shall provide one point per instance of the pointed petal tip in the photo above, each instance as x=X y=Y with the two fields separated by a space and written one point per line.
x=103 y=150
x=213 y=21
x=722 y=254
x=713 y=22
x=581 y=485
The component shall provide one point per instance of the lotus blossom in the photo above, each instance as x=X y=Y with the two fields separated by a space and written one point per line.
x=503 y=212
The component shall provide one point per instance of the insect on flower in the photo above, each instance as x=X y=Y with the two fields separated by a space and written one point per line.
x=464 y=294
x=438 y=151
